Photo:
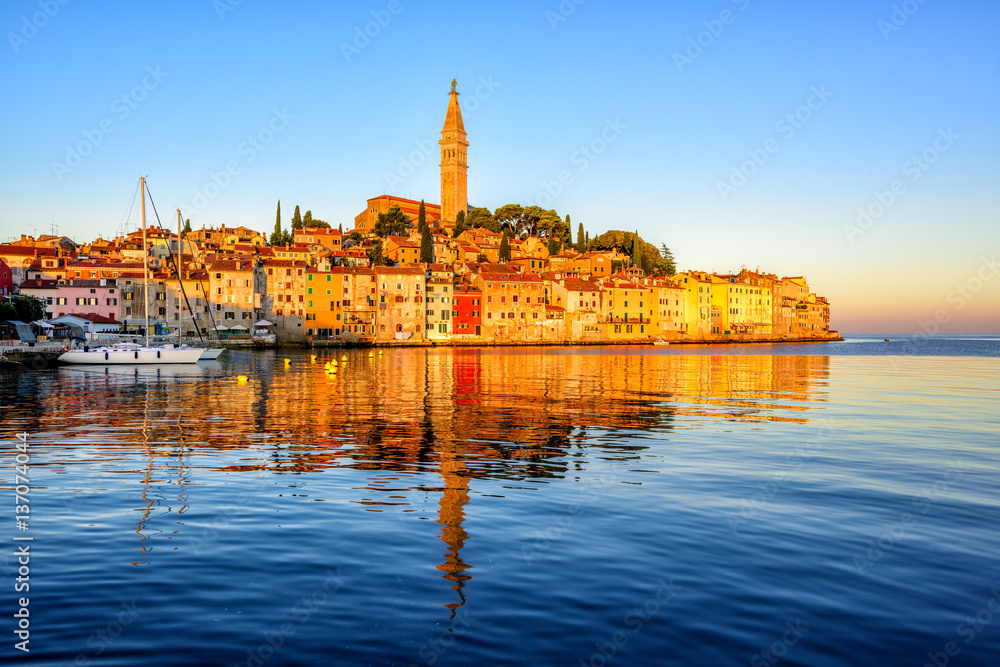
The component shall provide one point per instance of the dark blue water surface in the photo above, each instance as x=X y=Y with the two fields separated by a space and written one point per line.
x=828 y=504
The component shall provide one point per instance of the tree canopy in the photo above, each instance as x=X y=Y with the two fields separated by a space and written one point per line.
x=481 y=217
x=650 y=259
x=670 y=266
x=22 y=307
x=392 y=223
x=460 y=224
x=504 y=249
x=376 y=256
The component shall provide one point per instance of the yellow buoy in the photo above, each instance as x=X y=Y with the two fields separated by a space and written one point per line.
x=241 y=379
x=344 y=358
x=371 y=354
x=334 y=363
x=288 y=361
x=312 y=357
x=380 y=353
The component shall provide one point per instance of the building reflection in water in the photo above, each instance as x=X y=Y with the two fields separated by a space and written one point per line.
x=463 y=414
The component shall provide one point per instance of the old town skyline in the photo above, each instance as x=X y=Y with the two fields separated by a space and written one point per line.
x=836 y=174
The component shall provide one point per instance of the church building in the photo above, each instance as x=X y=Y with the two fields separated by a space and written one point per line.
x=454 y=180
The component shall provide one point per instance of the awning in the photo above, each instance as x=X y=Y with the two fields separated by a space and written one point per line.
x=264 y=323
x=237 y=327
x=24 y=331
x=221 y=328
x=44 y=325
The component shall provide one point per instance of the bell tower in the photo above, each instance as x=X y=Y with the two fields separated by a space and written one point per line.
x=454 y=167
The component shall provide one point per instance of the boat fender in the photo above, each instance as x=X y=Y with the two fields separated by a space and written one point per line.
x=157 y=354
x=136 y=353
x=105 y=356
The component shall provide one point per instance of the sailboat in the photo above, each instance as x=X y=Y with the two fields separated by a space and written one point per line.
x=207 y=353
x=133 y=353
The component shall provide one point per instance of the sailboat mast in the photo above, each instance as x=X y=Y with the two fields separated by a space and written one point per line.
x=145 y=259
x=180 y=263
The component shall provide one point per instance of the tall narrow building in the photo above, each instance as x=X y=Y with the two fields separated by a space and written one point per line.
x=454 y=167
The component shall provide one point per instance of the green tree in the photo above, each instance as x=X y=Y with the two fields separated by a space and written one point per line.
x=511 y=216
x=421 y=217
x=587 y=241
x=340 y=228
x=628 y=243
x=279 y=236
x=460 y=225
x=504 y=249
x=376 y=256
x=481 y=217
x=553 y=246
x=296 y=219
x=187 y=228
x=668 y=264
x=391 y=223
x=307 y=220
x=581 y=241
x=22 y=307
x=481 y=258
x=636 y=251
x=276 y=234
x=426 y=243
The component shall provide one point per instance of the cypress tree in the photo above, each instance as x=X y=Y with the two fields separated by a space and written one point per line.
x=504 y=249
x=296 y=219
x=421 y=218
x=426 y=245
x=636 y=251
x=340 y=228
x=277 y=220
x=581 y=242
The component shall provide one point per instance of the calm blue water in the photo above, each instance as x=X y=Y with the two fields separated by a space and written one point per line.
x=831 y=504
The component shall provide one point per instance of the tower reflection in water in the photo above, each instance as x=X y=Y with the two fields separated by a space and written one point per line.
x=462 y=414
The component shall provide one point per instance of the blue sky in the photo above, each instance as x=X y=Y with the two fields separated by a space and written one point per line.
x=689 y=143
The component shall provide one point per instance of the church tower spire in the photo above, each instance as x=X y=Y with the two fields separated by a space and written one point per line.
x=454 y=168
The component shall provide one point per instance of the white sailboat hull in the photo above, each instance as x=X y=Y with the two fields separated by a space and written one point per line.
x=106 y=356
x=211 y=353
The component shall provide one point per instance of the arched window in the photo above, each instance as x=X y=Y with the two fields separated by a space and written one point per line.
x=381 y=328
x=399 y=328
